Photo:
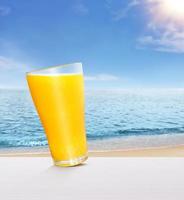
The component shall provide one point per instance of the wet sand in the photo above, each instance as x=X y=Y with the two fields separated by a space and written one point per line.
x=172 y=151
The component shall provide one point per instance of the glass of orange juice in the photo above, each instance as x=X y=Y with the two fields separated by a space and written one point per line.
x=58 y=95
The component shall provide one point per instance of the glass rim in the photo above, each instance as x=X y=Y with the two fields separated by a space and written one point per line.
x=50 y=68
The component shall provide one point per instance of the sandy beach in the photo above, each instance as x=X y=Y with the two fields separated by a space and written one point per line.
x=174 y=151
x=171 y=151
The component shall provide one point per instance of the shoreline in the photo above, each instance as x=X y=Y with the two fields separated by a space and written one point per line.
x=167 y=151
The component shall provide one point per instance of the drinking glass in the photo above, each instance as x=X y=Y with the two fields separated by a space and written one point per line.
x=58 y=95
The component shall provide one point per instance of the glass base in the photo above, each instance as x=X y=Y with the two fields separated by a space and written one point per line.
x=71 y=162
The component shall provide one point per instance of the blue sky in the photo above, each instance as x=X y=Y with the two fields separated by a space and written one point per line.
x=120 y=42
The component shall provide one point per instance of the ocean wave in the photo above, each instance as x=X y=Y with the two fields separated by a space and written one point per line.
x=109 y=114
x=23 y=143
x=136 y=132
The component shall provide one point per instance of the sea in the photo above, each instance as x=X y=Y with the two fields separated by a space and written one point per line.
x=115 y=119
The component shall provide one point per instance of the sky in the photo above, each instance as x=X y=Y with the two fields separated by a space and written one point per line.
x=121 y=43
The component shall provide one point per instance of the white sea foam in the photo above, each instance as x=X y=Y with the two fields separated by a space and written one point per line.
x=137 y=142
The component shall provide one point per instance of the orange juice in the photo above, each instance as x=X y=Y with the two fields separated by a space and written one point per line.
x=59 y=100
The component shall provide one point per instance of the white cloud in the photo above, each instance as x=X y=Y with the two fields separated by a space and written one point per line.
x=4 y=10
x=168 y=41
x=81 y=9
x=163 y=33
x=102 y=77
x=12 y=73
x=7 y=63
x=12 y=57
x=14 y=63
x=122 y=11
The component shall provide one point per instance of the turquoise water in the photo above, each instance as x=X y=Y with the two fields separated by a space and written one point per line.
x=110 y=114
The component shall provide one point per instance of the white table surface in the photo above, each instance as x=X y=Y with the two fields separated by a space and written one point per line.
x=31 y=178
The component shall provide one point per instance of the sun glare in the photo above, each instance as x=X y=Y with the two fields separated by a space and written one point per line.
x=172 y=8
